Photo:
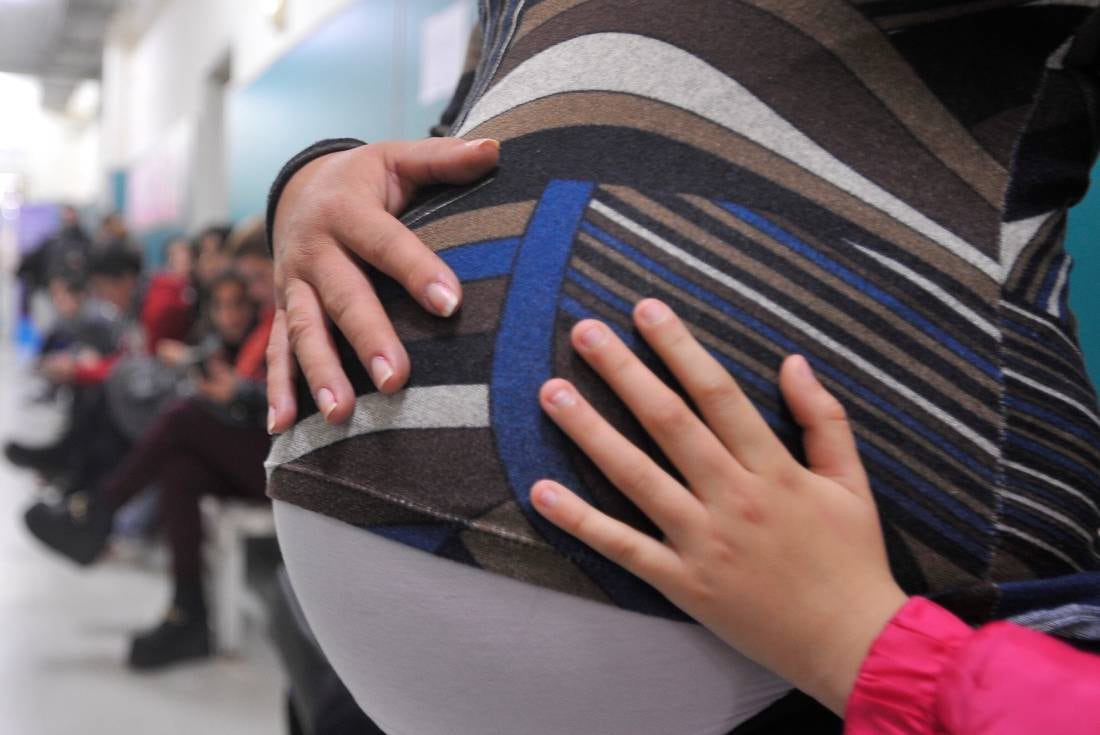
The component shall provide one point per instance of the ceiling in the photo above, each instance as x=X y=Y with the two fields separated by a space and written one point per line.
x=58 y=41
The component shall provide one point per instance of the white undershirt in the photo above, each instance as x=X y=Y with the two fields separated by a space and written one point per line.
x=428 y=646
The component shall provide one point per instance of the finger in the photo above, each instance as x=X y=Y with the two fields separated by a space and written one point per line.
x=664 y=500
x=282 y=407
x=352 y=304
x=686 y=441
x=728 y=411
x=387 y=245
x=315 y=351
x=439 y=161
x=827 y=436
x=636 y=552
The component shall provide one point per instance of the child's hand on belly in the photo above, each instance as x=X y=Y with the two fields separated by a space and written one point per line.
x=785 y=563
x=336 y=213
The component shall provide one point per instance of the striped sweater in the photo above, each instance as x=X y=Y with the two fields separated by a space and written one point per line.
x=880 y=185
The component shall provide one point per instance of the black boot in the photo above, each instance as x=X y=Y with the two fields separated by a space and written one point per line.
x=75 y=528
x=48 y=460
x=183 y=635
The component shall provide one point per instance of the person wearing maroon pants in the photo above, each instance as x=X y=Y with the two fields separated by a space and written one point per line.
x=211 y=444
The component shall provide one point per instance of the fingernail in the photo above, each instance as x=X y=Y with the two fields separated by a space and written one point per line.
x=380 y=371
x=326 y=402
x=562 y=397
x=270 y=419
x=547 y=496
x=442 y=298
x=593 y=337
x=652 y=312
x=487 y=142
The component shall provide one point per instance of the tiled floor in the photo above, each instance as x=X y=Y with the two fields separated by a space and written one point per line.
x=63 y=632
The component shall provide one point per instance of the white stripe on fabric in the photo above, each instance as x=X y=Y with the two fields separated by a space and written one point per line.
x=1053 y=393
x=1051 y=513
x=972 y=316
x=1056 y=483
x=1015 y=236
x=1024 y=312
x=747 y=292
x=645 y=67
x=435 y=407
x=1041 y=544
x=1054 y=302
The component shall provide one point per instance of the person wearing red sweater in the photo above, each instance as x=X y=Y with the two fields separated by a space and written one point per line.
x=213 y=443
x=786 y=562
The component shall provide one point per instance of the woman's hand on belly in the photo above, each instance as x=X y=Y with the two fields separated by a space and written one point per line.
x=785 y=563
x=336 y=213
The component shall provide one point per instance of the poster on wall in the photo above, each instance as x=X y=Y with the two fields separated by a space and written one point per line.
x=157 y=186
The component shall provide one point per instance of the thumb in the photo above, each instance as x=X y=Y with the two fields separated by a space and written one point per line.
x=441 y=160
x=827 y=436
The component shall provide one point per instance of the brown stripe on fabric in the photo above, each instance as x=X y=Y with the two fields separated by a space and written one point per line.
x=576 y=109
x=867 y=338
x=907 y=20
x=830 y=104
x=873 y=60
x=666 y=290
x=1037 y=356
x=1026 y=256
x=937 y=569
x=1082 y=451
x=535 y=16
x=659 y=289
x=537 y=563
x=1004 y=564
x=487 y=223
x=482 y=305
x=313 y=491
x=462 y=481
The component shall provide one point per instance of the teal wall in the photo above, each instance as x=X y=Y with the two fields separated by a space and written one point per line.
x=356 y=76
x=1084 y=281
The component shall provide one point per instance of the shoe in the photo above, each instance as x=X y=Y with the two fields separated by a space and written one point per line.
x=177 y=638
x=73 y=528
x=48 y=460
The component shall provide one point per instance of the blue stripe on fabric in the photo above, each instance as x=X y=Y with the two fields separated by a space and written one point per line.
x=577 y=310
x=852 y=279
x=604 y=295
x=426 y=537
x=1044 y=528
x=1052 y=418
x=1054 y=456
x=1041 y=594
x=481 y=260
x=777 y=338
x=1048 y=282
x=530 y=445
x=740 y=372
x=1072 y=505
x=957 y=509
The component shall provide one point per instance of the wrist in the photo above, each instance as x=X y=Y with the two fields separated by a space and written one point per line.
x=845 y=643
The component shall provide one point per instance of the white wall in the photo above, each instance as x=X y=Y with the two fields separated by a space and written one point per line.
x=162 y=80
x=151 y=83
x=56 y=157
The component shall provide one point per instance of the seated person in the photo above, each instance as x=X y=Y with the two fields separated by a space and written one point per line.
x=213 y=443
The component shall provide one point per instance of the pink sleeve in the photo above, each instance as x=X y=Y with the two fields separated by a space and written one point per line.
x=930 y=674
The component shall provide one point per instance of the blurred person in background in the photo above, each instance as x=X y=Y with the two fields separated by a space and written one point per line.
x=212 y=443
x=65 y=251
